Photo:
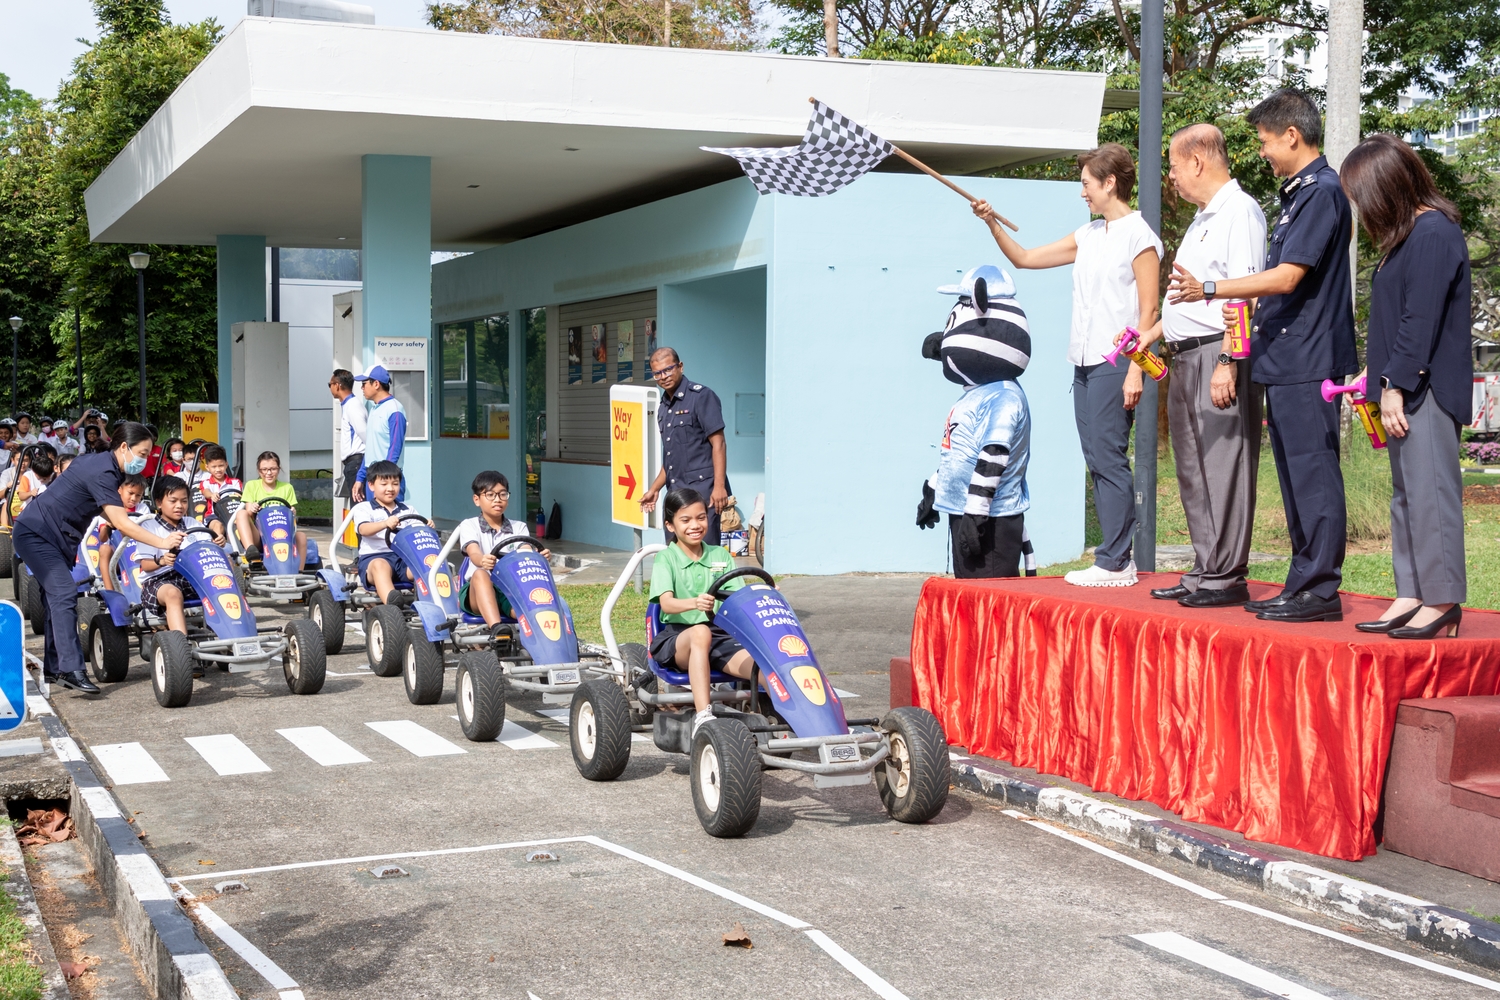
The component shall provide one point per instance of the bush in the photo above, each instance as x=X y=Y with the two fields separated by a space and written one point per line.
x=1482 y=452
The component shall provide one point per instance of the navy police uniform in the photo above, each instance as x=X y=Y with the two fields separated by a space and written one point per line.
x=686 y=420
x=1302 y=338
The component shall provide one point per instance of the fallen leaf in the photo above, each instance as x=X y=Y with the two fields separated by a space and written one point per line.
x=45 y=826
x=737 y=938
x=72 y=970
x=203 y=862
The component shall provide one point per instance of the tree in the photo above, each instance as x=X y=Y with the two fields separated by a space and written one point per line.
x=698 y=24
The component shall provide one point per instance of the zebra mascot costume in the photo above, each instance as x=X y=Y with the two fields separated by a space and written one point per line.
x=980 y=482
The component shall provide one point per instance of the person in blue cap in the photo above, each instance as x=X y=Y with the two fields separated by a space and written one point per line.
x=980 y=482
x=385 y=432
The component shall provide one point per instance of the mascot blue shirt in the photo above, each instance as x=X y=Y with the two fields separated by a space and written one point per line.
x=991 y=419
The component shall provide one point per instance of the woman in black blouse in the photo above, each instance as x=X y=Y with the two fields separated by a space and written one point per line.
x=1419 y=360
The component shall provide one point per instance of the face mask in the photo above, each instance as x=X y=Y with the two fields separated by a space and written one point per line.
x=176 y=456
x=137 y=464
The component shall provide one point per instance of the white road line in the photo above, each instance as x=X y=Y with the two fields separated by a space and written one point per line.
x=1140 y=866
x=322 y=746
x=844 y=694
x=1420 y=963
x=296 y=866
x=21 y=748
x=253 y=956
x=227 y=755
x=1227 y=965
x=415 y=739
x=128 y=764
x=562 y=715
x=882 y=989
x=519 y=738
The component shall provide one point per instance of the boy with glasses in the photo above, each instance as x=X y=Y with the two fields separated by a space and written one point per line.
x=477 y=538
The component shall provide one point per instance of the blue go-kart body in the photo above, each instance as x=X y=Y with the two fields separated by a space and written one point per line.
x=225 y=612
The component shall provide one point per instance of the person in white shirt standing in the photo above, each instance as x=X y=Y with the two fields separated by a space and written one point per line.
x=1116 y=261
x=1212 y=406
x=352 y=422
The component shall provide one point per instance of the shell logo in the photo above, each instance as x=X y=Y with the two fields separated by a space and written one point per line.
x=221 y=581
x=429 y=560
x=792 y=645
x=278 y=533
x=231 y=605
x=540 y=595
x=283 y=551
x=550 y=622
x=810 y=682
x=93 y=556
x=444 y=588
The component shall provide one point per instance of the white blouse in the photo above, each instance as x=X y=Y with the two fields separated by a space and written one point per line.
x=1105 y=299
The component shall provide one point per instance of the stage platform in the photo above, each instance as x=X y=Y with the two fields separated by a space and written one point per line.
x=1278 y=731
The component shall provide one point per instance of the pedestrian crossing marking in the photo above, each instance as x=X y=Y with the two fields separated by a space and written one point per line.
x=227 y=755
x=519 y=737
x=415 y=739
x=322 y=746
x=129 y=764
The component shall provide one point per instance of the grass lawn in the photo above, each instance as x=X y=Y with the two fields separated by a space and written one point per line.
x=587 y=600
x=19 y=979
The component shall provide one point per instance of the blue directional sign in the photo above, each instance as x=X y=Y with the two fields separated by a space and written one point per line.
x=12 y=668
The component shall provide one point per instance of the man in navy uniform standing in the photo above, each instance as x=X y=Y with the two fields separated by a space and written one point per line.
x=1303 y=334
x=691 y=420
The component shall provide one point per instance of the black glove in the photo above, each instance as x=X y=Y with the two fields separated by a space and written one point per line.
x=967 y=532
x=926 y=516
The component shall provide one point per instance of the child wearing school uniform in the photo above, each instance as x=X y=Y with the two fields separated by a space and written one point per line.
x=164 y=590
x=379 y=567
x=477 y=538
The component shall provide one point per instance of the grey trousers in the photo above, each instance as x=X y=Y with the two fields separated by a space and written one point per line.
x=1218 y=455
x=1104 y=431
x=1427 y=508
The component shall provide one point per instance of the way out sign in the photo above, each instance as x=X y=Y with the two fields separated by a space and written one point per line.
x=12 y=668
x=633 y=448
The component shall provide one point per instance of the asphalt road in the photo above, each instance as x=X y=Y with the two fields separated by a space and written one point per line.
x=837 y=899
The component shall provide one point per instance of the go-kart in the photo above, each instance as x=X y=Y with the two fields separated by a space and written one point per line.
x=787 y=717
x=221 y=627
x=273 y=572
x=535 y=649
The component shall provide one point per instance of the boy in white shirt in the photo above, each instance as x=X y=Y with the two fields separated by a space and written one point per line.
x=378 y=565
x=477 y=538
x=164 y=590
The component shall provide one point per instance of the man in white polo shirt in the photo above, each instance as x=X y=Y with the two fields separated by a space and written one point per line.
x=1213 y=409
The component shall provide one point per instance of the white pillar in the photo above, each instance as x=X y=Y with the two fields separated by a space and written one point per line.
x=1346 y=44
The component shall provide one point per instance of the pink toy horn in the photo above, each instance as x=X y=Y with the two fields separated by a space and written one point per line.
x=1125 y=346
x=1331 y=388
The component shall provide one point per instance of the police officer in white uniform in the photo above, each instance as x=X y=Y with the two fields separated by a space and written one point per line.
x=691 y=420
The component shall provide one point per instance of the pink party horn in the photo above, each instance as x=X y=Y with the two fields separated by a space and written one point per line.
x=1332 y=388
x=1125 y=346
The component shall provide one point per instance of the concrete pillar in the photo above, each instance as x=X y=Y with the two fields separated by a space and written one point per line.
x=242 y=299
x=396 y=259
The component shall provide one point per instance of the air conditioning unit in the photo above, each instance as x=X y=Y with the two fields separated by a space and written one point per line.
x=312 y=10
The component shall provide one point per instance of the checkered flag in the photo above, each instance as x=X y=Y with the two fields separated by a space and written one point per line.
x=834 y=152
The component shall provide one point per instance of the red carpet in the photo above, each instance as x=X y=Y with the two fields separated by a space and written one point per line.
x=1278 y=731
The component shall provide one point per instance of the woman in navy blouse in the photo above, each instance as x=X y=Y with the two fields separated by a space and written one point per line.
x=1420 y=361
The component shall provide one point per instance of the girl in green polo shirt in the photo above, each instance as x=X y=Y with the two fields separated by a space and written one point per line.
x=257 y=491
x=680 y=578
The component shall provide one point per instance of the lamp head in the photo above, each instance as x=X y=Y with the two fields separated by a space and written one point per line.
x=15 y=324
x=140 y=260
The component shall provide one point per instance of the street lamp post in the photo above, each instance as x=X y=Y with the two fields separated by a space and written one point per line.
x=15 y=351
x=140 y=261
x=78 y=345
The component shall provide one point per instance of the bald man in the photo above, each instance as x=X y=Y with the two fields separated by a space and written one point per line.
x=1213 y=408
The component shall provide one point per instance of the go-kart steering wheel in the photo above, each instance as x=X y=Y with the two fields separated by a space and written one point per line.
x=410 y=515
x=273 y=502
x=197 y=529
x=515 y=540
x=717 y=594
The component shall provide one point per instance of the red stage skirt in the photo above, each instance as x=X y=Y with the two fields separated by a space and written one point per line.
x=1279 y=731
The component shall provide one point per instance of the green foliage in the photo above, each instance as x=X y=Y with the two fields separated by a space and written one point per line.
x=699 y=24
x=19 y=979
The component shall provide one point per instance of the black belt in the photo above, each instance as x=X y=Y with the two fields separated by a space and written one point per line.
x=1176 y=347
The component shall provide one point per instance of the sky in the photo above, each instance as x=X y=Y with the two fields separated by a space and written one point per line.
x=39 y=38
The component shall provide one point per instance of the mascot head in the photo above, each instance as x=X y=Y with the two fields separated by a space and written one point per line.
x=987 y=339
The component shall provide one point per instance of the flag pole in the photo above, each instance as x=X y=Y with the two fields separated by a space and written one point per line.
x=939 y=177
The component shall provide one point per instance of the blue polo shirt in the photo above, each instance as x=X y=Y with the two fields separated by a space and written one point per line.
x=686 y=419
x=1307 y=335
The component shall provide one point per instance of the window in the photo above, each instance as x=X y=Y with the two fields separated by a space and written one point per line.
x=475 y=363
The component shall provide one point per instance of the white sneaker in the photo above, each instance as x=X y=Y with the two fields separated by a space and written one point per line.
x=1096 y=576
x=700 y=718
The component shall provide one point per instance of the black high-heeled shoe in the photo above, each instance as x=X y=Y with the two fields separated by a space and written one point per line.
x=1388 y=624
x=1447 y=619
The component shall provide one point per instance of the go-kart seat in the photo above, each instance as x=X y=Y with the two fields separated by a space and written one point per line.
x=673 y=677
x=464 y=616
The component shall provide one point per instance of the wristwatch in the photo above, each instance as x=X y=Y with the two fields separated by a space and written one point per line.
x=1209 y=288
x=1385 y=382
x=1226 y=358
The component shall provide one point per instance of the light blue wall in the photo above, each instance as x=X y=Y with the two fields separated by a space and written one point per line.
x=242 y=299
x=854 y=414
x=575 y=486
x=396 y=259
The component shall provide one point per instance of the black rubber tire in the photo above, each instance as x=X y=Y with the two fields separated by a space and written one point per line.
x=304 y=662
x=16 y=573
x=88 y=607
x=385 y=639
x=31 y=602
x=7 y=553
x=760 y=544
x=328 y=615
x=422 y=668
x=108 y=649
x=913 y=781
x=479 y=694
x=725 y=775
x=172 y=670
x=599 y=729
x=638 y=669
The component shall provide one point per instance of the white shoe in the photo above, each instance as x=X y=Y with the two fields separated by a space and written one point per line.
x=707 y=715
x=1096 y=576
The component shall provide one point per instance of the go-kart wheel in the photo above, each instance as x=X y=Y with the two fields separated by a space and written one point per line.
x=88 y=607
x=31 y=602
x=148 y=646
x=304 y=662
x=109 y=649
x=17 y=574
x=479 y=694
x=172 y=670
x=328 y=614
x=638 y=669
x=422 y=668
x=599 y=729
x=725 y=775
x=913 y=780
x=7 y=553
x=385 y=639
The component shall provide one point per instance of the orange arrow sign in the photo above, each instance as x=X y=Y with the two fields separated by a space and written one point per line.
x=628 y=481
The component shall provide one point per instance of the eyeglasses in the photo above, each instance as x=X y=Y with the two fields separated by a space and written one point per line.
x=666 y=371
x=495 y=495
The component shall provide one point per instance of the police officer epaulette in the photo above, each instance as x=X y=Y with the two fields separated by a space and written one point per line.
x=697 y=388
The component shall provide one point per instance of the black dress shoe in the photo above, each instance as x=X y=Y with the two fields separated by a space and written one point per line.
x=1176 y=593
x=1226 y=598
x=1256 y=607
x=1447 y=624
x=77 y=680
x=1305 y=606
x=1388 y=624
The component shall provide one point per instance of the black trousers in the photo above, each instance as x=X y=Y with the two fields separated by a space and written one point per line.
x=349 y=473
x=1305 y=442
x=53 y=569
x=1000 y=541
